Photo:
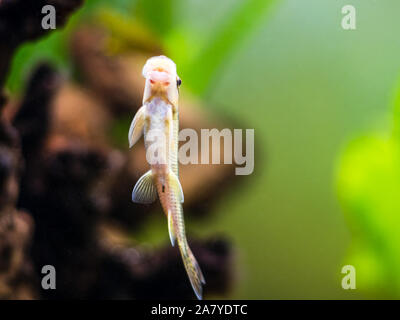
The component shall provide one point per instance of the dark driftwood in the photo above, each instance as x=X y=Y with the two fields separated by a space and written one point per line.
x=71 y=186
x=20 y=21
x=17 y=278
x=65 y=187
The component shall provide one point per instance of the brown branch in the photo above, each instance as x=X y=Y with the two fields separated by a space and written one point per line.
x=20 y=21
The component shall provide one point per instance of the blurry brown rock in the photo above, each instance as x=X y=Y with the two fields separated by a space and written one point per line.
x=17 y=278
x=107 y=76
x=78 y=114
x=164 y=270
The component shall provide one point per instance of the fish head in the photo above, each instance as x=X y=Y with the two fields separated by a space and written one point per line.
x=161 y=79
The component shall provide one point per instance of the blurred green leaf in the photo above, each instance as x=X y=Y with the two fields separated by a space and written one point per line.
x=160 y=15
x=50 y=48
x=155 y=24
x=369 y=188
x=396 y=111
x=226 y=38
x=128 y=33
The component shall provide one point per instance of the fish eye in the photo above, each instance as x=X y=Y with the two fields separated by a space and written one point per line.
x=178 y=82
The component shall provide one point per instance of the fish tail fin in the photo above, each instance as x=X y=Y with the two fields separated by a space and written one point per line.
x=193 y=270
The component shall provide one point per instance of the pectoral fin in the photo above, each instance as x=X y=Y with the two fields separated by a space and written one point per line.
x=145 y=190
x=136 y=128
x=176 y=185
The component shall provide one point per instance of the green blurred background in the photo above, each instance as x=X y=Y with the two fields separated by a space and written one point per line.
x=307 y=87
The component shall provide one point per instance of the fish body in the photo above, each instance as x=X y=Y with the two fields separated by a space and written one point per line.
x=158 y=121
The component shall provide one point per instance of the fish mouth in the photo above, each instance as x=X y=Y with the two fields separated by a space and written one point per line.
x=159 y=77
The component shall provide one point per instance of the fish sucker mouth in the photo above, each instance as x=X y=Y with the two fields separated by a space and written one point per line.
x=159 y=83
x=159 y=75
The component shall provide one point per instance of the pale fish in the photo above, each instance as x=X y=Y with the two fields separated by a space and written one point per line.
x=157 y=119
